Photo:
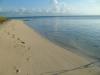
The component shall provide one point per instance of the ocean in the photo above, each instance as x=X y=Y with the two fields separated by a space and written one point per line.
x=81 y=34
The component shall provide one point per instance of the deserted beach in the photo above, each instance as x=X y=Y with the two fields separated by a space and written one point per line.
x=24 y=52
x=49 y=37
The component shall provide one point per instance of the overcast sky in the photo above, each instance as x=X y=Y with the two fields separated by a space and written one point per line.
x=61 y=7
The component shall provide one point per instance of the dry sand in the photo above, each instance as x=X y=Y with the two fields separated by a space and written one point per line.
x=25 y=52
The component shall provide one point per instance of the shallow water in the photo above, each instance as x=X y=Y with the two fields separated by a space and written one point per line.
x=81 y=34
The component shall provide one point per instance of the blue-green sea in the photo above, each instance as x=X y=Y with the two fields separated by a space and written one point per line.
x=79 y=33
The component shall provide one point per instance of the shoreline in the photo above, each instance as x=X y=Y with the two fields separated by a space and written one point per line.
x=87 y=57
x=25 y=52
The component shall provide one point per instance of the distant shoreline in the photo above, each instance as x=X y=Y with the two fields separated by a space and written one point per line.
x=74 y=16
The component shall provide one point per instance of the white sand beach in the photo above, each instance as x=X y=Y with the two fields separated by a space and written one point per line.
x=24 y=52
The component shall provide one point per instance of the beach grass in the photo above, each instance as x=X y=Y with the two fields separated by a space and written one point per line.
x=3 y=19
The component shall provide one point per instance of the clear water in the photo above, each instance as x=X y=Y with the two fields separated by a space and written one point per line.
x=81 y=34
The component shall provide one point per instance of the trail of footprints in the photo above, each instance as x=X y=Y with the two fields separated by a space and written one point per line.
x=19 y=43
x=23 y=44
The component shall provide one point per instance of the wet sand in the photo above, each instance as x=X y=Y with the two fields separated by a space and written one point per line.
x=24 y=52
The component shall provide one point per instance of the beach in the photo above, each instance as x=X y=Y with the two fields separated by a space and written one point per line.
x=24 y=52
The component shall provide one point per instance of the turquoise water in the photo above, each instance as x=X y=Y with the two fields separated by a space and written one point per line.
x=81 y=34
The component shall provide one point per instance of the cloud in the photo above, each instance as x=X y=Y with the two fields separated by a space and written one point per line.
x=61 y=7
x=91 y=7
x=56 y=5
x=55 y=2
x=87 y=7
x=22 y=9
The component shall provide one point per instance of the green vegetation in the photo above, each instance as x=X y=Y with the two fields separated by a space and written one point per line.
x=3 y=19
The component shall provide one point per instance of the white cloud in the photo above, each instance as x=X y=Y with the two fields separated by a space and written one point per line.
x=22 y=9
x=56 y=6
x=55 y=2
x=88 y=7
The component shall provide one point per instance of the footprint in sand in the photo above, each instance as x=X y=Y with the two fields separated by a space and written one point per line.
x=18 y=45
x=13 y=35
x=8 y=33
x=29 y=48
x=18 y=38
x=16 y=70
x=28 y=58
x=23 y=43
x=19 y=42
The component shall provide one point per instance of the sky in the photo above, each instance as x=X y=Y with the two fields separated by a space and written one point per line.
x=50 y=7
